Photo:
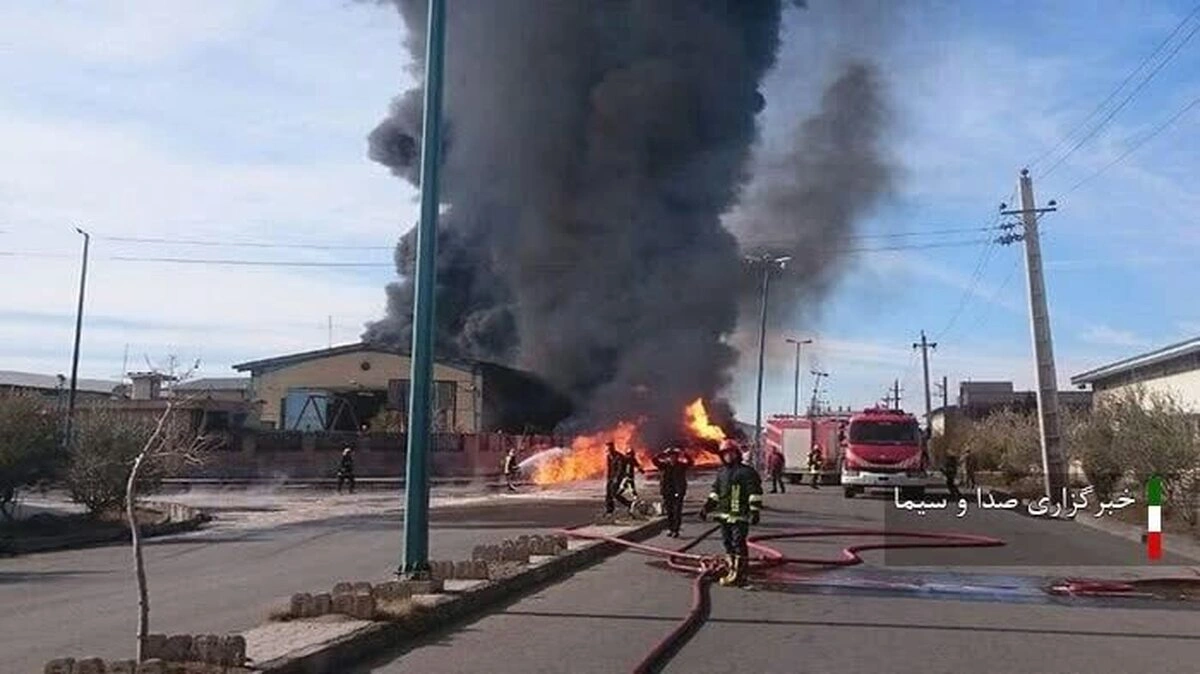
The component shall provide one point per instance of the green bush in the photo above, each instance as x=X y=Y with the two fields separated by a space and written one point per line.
x=30 y=454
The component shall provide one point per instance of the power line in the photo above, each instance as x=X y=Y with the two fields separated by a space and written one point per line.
x=250 y=263
x=1125 y=101
x=238 y=244
x=1113 y=94
x=1142 y=141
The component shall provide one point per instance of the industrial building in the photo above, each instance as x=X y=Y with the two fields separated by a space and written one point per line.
x=56 y=385
x=362 y=387
x=1172 y=369
x=978 y=399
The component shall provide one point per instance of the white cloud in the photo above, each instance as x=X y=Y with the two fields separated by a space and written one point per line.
x=125 y=32
x=1104 y=335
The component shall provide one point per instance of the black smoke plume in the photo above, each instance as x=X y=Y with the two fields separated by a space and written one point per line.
x=591 y=150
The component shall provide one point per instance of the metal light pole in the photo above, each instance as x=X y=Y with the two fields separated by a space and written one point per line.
x=78 y=335
x=415 y=561
x=796 y=384
x=768 y=262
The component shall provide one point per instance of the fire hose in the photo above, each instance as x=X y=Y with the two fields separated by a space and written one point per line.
x=706 y=568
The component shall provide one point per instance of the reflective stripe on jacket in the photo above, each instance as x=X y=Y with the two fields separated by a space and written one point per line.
x=736 y=493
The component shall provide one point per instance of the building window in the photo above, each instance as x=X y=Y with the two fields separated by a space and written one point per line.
x=445 y=404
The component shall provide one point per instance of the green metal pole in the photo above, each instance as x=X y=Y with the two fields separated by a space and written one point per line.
x=415 y=561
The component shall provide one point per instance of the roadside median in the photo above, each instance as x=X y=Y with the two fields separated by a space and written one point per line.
x=328 y=631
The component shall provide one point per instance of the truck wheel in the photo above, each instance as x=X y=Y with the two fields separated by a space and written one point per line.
x=848 y=492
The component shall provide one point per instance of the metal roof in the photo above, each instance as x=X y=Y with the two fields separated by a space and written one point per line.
x=360 y=347
x=214 y=384
x=49 y=382
x=1138 y=362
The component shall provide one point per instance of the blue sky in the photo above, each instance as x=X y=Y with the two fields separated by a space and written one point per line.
x=246 y=119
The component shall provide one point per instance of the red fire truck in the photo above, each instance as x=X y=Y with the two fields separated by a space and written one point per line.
x=795 y=436
x=884 y=449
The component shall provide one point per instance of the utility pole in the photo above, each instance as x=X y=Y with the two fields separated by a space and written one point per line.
x=415 y=561
x=796 y=383
x=944 y=391
x=87 y=238
x=925 y=345
x=894 y=400
x=1053 y=465
x=817 y=374
x=768 y=263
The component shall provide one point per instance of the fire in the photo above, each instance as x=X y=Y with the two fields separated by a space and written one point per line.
x=698 y=423
x=587 y=457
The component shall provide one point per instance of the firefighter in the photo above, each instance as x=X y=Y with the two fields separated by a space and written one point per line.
x=815 y=463
x=345 y=472
x=950 y=470
x=614 y=476
x=775 y=464
x=510 y=468
x=673 y=465
x=737 y=499
x=631 y=464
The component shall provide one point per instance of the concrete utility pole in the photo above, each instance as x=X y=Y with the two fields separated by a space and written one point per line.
x=812 y=407
x=925 y=346
x=78 y=336
x=768 y=263
x=944 y=391
x=415 y=561
x=796 y=383
x=1053 y=465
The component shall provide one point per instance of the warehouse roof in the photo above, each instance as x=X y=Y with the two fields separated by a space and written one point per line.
x=1167 y=353
x=49 y=382
x=358 y=347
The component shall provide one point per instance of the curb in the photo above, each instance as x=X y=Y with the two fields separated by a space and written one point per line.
x=377 y=637
x=189 y=519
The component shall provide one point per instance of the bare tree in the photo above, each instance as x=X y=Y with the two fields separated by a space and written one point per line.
x=172 y=446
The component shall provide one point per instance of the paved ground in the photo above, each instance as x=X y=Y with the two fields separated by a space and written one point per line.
x=930 y=610
x=263 y=547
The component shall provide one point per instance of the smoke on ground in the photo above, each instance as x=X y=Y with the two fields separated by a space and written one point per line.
x=591 y=151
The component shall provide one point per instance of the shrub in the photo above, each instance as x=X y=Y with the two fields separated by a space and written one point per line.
x=30 y=454
x=104 y=445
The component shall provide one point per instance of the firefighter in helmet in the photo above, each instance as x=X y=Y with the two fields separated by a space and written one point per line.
x=735 y=501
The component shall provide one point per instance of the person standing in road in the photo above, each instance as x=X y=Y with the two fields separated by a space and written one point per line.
x=815 y=462
x=950 y=470
x=510 y=468
x=615 y=465
x=345 y=472
x=737 y=499
x=673 y=465
x=775 y=465
x=968 y=462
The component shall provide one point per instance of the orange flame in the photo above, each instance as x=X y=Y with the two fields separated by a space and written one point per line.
x=698 y=423
x=587 y=456
x=587 y=459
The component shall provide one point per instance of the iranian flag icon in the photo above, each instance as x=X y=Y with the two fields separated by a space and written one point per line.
x=1154 y=518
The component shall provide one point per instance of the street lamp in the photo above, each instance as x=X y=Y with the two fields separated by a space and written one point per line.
x=796 y=385
x=768 y=263
x=78 y=334
x=415 y=562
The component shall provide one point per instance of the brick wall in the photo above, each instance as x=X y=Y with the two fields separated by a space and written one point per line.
x=295 y=455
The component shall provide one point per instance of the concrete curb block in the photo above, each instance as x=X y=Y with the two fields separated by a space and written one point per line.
x=449 y=609
x=180 y=519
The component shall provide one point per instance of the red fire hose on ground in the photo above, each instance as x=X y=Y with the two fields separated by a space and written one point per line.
x=706 y=568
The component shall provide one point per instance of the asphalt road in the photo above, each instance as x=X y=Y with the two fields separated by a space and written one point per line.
x=927 y=611
x=82 y=602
